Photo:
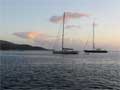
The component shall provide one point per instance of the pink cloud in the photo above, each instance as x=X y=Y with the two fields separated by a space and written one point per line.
x=76 y=15
x=28 y=35
x=35 y=36
x=68 y=15
x=72 y=26
x=56 y=19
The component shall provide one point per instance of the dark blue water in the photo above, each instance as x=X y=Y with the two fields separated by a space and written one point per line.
x=35 y=70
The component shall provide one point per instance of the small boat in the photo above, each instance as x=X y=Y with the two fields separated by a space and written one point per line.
x=65 y=50
x=95 y=50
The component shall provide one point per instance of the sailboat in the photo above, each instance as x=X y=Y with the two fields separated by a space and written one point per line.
x=63 y=49
x=94 y=49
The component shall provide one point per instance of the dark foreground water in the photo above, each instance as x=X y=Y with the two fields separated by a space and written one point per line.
x=44 y=71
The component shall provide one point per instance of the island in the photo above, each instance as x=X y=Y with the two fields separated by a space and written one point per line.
x=6 y=45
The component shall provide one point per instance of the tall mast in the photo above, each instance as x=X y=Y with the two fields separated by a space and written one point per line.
x=93 y=35
x=63 y=32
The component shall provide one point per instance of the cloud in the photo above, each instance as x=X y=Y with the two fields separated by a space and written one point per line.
x=37 y=38
x=75 y=15
x=28 y=35
x=56 y=19
x=68 y=15
x=34 y=36
x=72 y=26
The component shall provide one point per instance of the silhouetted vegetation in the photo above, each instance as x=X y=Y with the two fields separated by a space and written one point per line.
x=5 y=45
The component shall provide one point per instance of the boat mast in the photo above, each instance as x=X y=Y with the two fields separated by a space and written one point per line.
x=63 y=32
x=93 y=35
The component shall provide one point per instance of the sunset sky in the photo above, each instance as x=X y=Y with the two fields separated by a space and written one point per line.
x=29 y=21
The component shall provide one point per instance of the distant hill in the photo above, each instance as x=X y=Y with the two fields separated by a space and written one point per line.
x=6 y=45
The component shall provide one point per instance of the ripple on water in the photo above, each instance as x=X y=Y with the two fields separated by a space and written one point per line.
x=61 y=77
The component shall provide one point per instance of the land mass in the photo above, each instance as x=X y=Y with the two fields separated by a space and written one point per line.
x=6 y=45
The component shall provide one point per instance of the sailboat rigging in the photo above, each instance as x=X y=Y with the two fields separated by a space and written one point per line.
x=94 y=50
x=63 y=49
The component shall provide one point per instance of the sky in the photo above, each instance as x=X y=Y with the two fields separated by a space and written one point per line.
x=28 y=21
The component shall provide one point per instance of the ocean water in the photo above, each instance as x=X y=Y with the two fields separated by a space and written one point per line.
x=35 y=70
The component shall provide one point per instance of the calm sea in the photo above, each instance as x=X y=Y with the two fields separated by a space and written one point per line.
x=34 y=70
